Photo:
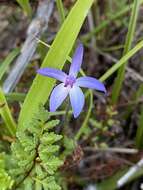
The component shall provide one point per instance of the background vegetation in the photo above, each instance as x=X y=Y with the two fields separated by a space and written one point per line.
x=102 y=148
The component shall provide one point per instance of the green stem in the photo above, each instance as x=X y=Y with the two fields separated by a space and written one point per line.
x=139 y=134
x=25 y=5
x=4 y=65
x=61 y=10
x=66 y=119
x=130 y=35
x=85 y=122
x=57 y=113
x=14 y=96
x=6 y=115
x=121 y=61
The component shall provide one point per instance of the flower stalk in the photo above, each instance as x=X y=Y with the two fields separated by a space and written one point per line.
x=84 y=124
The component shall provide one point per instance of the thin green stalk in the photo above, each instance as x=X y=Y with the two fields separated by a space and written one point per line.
x=15 y=96
x=113 y=48
x=130 y=36
x=6 y=115
x=66 y=119
x=61 y=10
x=110 y=6
x=4 y=65
x=65 y=130
x=123 y=60
x=25 y=5
x=57 y=113
x=84 y=124
x=139 y=134
x=111 y=182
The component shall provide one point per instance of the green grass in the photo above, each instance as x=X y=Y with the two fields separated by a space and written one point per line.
x=6 y=115
x=25 y=5
x=5 y=64
x=128 y=42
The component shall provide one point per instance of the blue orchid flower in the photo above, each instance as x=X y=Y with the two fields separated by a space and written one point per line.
x=71 y=84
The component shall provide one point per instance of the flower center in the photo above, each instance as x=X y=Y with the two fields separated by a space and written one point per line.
x=70 y=80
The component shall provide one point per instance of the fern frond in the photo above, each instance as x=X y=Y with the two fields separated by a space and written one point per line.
x=35 y=154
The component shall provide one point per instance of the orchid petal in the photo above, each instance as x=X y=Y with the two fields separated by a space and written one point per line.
x=57 y=97
x=53 y=73
x=90 y=82
x=76 y=61
x=77 y=100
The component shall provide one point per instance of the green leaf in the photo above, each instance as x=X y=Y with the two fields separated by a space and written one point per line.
x=69 y=145
x=15 y=96
x=50 y=163
x=129 y=39
x=5 y=180
x=34 y=153
x=55 y=58
x=28 y=184
x=6 y=115
x=111 y=182
x=121 y=61
x=25 y=5
x=41 y=174
x=139 y=134
x=50 y=184
x=61 y=10
x=4 y=65
x=49 y=149
x=50 y=138
x=51 y=124
x=38 y=186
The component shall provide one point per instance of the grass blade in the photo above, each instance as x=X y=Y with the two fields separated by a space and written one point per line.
x=61 y=10
x=122 y=61
x=6 y=115
x=130 y=35
x=111 y=183
x=139 y=135
x=25 y=5
x=15 y=96
x=7 y=61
